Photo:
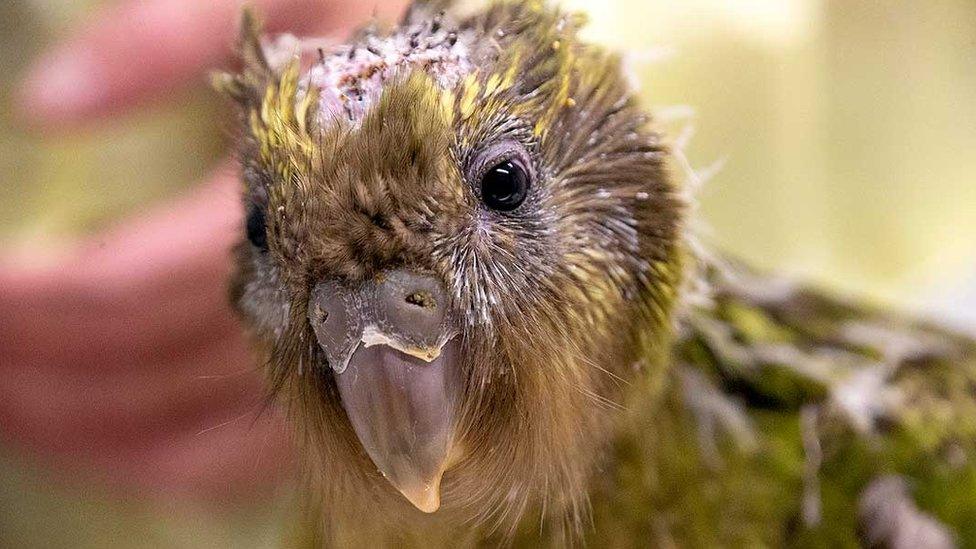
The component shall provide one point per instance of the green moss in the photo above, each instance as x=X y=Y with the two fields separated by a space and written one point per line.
x=752 y=324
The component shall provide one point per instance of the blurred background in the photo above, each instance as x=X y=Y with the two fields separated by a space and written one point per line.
x=845 y=131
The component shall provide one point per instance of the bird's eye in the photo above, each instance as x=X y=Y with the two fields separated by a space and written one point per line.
x=257 y=231
x=504 y=186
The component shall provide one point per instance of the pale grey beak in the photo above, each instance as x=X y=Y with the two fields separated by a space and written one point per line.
x=390 y=344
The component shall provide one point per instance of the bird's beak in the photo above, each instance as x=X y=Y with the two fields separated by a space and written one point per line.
x=394 y=359
x=400 y=407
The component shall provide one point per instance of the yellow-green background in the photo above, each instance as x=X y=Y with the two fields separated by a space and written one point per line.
x=848 y=129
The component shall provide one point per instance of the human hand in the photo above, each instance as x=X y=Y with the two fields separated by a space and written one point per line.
x=120 y=355
x=142 y=50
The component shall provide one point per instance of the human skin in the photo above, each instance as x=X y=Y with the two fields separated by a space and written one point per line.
x=120 y=358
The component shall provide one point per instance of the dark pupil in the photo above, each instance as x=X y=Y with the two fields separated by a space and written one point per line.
x=504 y=187
x=256 y=230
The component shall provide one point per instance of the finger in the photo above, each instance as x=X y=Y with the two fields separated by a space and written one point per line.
x=239 y=459
x=230 y=448
x=170 y=428
x=147 y=289
x=68 y=413
x=145 y=48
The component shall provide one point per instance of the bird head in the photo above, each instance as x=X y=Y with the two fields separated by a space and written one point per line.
x=461 y=239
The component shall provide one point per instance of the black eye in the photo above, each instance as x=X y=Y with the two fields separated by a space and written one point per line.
x=257 y=231
x=504 y=186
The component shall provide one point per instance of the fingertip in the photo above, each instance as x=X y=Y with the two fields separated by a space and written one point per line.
x=62 y=86
x=124 y=55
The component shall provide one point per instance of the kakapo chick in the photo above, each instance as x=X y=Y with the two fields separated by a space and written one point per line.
x=467 y=266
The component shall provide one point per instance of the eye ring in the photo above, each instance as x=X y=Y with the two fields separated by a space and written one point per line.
x=502 y=176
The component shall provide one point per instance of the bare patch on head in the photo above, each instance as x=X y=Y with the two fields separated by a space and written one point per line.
x=351 y=78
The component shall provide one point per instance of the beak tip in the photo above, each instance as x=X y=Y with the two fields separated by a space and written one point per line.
x=430 y=506
x=425 y=497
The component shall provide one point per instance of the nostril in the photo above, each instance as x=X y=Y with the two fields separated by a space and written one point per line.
x=422 y=299
x=319 y=314
x=410 y=307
